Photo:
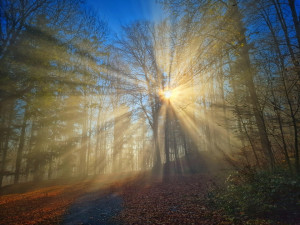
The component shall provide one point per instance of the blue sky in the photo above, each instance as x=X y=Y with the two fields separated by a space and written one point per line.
x=121 y=12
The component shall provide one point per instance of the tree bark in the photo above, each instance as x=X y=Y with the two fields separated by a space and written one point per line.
x=5 y=147
x=21 y=147
x=167 y=141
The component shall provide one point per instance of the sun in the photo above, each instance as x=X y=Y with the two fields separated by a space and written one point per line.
x=168 y=94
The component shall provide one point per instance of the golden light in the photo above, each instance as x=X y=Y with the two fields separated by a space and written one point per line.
x=168 y=94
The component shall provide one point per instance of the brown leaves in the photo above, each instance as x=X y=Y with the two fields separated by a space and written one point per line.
x=48 y=205
x=44 y=206
x=179 y=201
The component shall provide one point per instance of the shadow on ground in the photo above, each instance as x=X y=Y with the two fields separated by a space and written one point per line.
x=92 y=209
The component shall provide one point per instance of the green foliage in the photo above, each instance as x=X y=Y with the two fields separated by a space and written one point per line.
x=259 y=194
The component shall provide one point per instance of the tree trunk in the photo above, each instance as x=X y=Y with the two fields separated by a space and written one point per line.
x=21 y=146
x=295 y=20
x=249 y=83
x=156 y=158
x=286 y=33
x=177 y=161
x=5 y=147
x=98 y=136
x=83 y=152
x=167 y=142
x=240 y=120
x=29 y=161
x=282 y=69
x=89 y=143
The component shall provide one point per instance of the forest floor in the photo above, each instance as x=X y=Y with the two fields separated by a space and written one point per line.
x=50 y=202
x=126 y=200
x=180 y=200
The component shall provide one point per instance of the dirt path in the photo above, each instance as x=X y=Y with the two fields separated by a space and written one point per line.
x=178 y=201
x=94 y=209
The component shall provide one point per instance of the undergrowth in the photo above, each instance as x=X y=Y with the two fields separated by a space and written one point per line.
x=249 y=195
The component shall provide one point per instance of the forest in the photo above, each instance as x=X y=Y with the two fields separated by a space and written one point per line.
x=211 y=88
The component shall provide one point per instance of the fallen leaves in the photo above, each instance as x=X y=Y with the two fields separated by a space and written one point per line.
x=178 y=201
x=43 y=206
x=47 y=205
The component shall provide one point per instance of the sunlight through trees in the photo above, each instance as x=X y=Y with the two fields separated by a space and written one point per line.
x=215 y=82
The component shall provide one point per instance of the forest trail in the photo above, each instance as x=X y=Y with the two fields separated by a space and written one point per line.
x=57 y=202
x=94 y=209
x=180 y=200
x=139 y=199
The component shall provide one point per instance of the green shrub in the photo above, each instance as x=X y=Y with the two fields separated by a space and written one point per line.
x=263 y=194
